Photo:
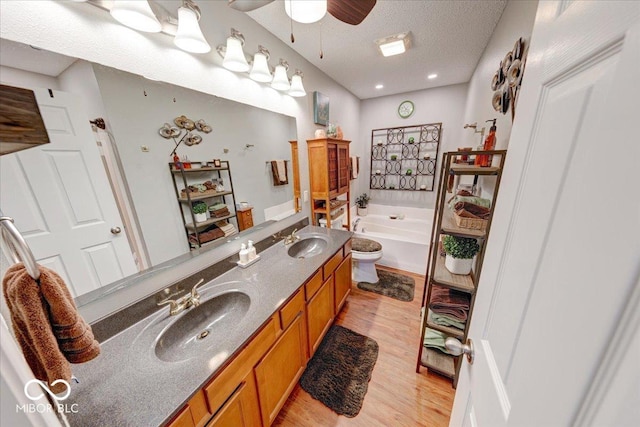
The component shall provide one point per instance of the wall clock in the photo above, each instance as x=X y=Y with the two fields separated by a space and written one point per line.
x=405 y=109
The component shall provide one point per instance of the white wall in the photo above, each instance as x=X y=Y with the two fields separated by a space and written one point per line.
x=443 y=104
x=516 y=21
x=27 y=80
x=86 y=32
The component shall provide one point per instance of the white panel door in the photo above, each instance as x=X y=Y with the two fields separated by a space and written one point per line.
x=557 y=310
x=60 y=198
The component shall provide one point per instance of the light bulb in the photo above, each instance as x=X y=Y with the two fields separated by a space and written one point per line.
x=297 y=89
x=234 y=58
x=260 y=71
x=305 y=11
x=189 y=36
x=136 y=14
x=280 y=79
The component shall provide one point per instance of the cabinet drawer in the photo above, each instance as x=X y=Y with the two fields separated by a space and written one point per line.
x=221 y=387
x=312 y=286
x=291 y=309
x=331 y=265
x=183 y=419
x=242 y=409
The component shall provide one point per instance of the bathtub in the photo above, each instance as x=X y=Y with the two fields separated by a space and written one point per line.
x=405 y=242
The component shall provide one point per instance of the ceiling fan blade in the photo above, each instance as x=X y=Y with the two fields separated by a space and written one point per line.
x=351 y=12
x=247 y=5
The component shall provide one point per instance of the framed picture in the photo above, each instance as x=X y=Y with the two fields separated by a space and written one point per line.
x=217 y=163
x=320 y=109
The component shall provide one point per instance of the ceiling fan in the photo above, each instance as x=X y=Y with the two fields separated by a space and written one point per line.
x=351 y=12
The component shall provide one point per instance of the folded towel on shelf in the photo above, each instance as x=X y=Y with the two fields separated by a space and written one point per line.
x=479 y=201
x=47 y=325
x=217 y=206
x=279 y=172
x=220 y=213
x=228 y=228
x=435 y=339
x=355 y=166
x=449 y=302
x=210 y=233
x=471 y=210
x=446 y=320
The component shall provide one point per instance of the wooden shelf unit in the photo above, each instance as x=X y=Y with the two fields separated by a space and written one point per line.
x=437 y=274
x=329 y=177
x=203 y=171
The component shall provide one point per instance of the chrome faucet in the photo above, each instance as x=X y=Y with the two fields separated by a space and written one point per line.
x=192 y=299
x=355 y=224
x=291 y=238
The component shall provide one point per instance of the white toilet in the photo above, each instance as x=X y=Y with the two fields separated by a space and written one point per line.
x=365 y=253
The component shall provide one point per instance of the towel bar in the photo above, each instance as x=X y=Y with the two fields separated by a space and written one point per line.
x=20 y=251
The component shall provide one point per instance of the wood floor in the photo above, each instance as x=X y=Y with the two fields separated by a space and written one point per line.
x=397 y=395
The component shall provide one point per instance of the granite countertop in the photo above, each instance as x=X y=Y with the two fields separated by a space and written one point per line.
x=128 y=385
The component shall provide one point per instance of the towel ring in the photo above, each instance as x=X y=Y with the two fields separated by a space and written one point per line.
x=18 y=248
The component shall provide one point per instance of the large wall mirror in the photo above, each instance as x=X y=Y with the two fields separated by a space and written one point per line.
x=51 y=192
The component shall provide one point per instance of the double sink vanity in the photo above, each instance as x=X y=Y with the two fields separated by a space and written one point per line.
x=234 y=356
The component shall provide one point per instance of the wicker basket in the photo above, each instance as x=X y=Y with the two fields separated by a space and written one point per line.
x=472 y=223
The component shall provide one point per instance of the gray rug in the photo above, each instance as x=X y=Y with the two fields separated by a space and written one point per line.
x=391 y=285
x=338 y=374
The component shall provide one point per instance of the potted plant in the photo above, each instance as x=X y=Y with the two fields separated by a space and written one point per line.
x=460 y=252
x=362 y=201
x=394 y=157
x=200 y=211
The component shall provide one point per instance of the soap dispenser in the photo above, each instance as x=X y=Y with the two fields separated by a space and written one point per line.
x=252 y=250
x=489 y=144
x=244 y=254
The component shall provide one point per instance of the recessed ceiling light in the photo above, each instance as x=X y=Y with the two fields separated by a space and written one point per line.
x=379 y=86
x=432 y=76
x=393 y=45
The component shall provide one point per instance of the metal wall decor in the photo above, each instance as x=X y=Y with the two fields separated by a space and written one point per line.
x=405 y=158
x=184 y=123
x=507 y=80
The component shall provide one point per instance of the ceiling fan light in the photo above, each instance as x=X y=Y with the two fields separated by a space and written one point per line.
x=234 y=58
x=189 y=36
x=260 y=70
x=297 y=89
x=136 y=14
x=280 y=79
x=305 y=11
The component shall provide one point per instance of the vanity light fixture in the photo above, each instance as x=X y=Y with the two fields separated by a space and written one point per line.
x=432 y=76
x=189 y=36
x=260 y=71
x=136 y=14
x=297 y=89
x=280 y=79
x=393 y=45
x=379 y=86
x=305 y=11
x=233 y=54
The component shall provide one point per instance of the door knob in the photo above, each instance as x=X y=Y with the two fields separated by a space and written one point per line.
x=456 y=348
x=116 y=230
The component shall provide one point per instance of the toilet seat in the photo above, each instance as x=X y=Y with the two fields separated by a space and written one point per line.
x=365 y=252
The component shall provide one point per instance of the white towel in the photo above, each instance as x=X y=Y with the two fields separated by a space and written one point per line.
x=282 y=170
x=354 y=167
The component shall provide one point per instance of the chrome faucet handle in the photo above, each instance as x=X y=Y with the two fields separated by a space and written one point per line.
x=195 y=296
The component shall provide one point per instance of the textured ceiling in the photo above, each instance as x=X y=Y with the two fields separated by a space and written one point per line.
x=447 y=38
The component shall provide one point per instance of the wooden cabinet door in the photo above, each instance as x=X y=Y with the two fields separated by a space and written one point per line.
x=342 y=279
x=320 y=311
x=280 y=369
x=343 y=168
x=334 y=172
x=242 y=408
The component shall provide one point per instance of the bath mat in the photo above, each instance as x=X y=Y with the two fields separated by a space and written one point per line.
x=392 y=285
x=338 y=374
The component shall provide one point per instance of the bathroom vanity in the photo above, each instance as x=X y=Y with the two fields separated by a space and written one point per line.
x=233 y=359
